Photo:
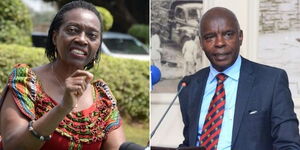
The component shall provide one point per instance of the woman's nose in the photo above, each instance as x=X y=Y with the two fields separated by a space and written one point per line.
x=82 y=39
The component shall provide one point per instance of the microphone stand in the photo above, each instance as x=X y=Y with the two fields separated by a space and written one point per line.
x=182 y=86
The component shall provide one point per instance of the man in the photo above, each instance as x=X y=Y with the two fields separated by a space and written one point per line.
x=189 y=51
x=156 y=50
x=248 y=108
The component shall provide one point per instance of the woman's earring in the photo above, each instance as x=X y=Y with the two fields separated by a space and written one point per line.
x=55 y=53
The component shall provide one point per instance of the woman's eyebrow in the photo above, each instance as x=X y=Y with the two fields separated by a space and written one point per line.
x=88 y=26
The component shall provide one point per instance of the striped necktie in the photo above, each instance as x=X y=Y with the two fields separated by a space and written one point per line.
x=213 y=120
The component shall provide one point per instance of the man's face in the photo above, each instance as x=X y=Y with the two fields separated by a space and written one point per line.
x=221 y=39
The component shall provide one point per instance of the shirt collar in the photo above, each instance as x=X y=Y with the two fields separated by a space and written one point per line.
x=232 y=72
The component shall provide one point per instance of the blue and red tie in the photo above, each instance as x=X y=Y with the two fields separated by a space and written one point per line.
x=213 y=120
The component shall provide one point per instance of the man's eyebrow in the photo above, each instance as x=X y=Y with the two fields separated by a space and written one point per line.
x=208 y=33
x=230 y=30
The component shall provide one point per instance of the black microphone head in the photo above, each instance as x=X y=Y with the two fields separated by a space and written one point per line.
x=131 y=146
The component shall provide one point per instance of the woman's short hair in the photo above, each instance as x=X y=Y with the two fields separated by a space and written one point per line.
x=58 y=21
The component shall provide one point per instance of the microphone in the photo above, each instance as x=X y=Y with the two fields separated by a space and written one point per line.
x=131 y=146
x=184 y=82
x=155 y=75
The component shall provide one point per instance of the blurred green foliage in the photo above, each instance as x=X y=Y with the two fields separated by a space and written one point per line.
x=15 y=23
x=107 y=17
x=127 y=79
x=140 y=31
x=136 y=132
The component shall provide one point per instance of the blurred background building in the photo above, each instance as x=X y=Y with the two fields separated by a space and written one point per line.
x=271 y=36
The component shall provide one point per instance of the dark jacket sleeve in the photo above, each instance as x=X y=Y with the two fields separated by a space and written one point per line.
x=183 y=97
x=284 y=123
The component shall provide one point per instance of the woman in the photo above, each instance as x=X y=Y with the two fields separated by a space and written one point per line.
x=55 y=106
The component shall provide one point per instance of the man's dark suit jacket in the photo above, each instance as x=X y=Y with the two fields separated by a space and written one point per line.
x=261 y=88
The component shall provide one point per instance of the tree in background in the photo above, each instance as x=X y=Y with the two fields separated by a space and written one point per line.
x=106 y=17
x=140 y=31
x=15 y=23
x=125 y=13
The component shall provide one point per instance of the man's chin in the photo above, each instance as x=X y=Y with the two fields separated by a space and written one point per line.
x=221 y=65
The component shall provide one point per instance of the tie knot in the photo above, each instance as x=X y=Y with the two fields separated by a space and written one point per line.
x=221 y=77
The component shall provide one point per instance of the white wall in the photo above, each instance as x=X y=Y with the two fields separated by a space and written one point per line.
x=247 y=12
x=170 y=132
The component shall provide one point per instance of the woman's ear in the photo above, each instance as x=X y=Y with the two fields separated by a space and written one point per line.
x=54 y=35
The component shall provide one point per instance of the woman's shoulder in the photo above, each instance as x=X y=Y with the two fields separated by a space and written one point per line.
x=25 y=71
x=104 y=91
x=22 y=83
x=99 y=84
x=21 y=74
x=23 y=80
x=21 y=67
x=21 y=70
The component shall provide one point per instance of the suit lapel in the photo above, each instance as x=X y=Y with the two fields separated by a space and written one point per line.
x=244 y=88
x=195 y=106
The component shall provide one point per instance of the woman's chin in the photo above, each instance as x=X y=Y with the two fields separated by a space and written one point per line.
x=77 y=64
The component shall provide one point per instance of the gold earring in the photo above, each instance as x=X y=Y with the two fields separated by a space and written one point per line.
x=55 y=53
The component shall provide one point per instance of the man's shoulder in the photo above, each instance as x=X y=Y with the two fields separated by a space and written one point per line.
x=199 y=75
x=201 y=72
x=258 y=67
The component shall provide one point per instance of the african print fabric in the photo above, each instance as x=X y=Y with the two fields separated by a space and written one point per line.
x=85 y=129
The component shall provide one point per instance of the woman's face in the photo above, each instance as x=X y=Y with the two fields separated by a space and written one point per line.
x=78 y=38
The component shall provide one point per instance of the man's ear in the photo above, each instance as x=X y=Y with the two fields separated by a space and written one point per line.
x=200 y=40
x=241 y=37
x=54 y=35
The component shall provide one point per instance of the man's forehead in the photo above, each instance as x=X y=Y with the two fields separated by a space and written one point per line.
x=219 y=12
x=218 y=19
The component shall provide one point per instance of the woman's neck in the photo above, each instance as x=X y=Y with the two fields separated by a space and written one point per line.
x=62 y=70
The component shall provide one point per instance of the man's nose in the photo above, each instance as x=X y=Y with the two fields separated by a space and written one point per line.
x=219 y=41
